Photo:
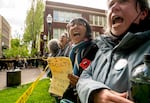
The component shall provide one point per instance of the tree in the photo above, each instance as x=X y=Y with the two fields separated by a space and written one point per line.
x=34 y=24
x=17 y=49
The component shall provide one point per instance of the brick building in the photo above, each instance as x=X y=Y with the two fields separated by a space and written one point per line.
x=62 y=13
x=5 y=34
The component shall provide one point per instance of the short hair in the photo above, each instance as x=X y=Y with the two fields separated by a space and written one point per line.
x=53 y=46
x=87 y=25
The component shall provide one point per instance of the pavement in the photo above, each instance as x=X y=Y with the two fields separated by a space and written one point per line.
x=27 y=76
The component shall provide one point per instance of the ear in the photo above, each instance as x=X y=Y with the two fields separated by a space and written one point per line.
x=144 y=14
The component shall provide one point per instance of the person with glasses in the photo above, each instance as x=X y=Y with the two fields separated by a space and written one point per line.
x=121 y=51
x=64 y=43
x=81 y=54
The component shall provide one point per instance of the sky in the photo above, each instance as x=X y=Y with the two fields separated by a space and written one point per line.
x=15 y=11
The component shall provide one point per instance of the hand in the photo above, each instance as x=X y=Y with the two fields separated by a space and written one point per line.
x=109 y=96
x=73 y=79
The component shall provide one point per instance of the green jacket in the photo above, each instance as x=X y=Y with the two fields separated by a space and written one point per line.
x=113 y=64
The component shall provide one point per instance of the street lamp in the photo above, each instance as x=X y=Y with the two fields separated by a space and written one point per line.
x=44 y=39
x=3 y=44
x=49 y=22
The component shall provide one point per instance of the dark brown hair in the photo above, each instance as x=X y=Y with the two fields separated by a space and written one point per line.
x=144 y=5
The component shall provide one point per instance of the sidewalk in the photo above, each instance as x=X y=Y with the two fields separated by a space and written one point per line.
x=27 y=76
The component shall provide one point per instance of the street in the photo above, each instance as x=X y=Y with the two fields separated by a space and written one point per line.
x=27 y=75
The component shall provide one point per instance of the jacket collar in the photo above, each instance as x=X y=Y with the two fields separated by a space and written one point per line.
x=133 y=40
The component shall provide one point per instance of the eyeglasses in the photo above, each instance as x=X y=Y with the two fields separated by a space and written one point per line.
x=77 y=22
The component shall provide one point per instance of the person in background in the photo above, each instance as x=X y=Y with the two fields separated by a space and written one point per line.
x=81 y=54
x=107 y=79
x=53 y=47
x=64 y=44
x=25 y=62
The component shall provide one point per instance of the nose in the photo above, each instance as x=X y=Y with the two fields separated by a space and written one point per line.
x=115 y=7
x=75 y=25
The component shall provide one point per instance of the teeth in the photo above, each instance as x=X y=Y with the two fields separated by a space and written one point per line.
x=117 y=19
x=75 y=32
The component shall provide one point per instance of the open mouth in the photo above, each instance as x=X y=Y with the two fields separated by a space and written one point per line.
x=117 y=20
x=76 y=34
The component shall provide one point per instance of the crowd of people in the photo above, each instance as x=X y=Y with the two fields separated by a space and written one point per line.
x=102 y=68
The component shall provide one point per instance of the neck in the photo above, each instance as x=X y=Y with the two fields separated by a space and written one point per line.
x=142 y=26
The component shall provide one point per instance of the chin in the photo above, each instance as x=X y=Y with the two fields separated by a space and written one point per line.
x=115 y=33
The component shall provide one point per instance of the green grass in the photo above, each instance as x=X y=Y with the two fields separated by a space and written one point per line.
x=40 y=93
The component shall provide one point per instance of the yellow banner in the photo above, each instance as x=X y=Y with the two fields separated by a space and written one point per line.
x=60 y=68
x=24 y=97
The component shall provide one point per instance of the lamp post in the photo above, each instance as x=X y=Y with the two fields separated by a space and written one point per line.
x=49 y=22
x=3 y=44
x=44 y=39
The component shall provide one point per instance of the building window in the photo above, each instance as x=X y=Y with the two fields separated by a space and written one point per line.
x=97 y=20
x=64 y=16
x=57 y=32
x=95 y=34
